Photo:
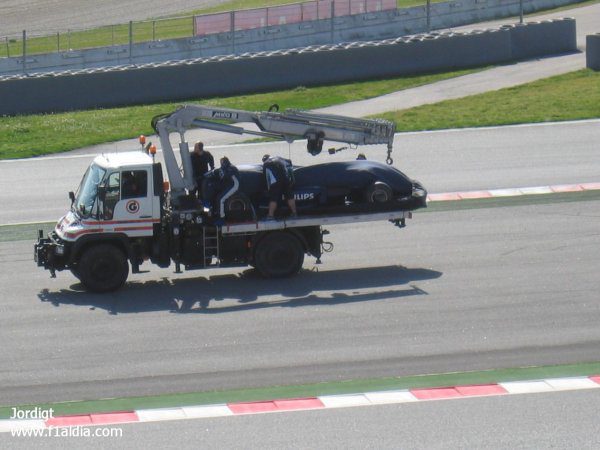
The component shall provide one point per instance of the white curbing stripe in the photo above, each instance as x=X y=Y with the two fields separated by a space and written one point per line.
x=526 y=387
x=567 y=384
x=155 y=415
x=328 y=401
x=197 y=412
x=505 y=192
x=536 y=190
x=383 y=397
x=343 y=401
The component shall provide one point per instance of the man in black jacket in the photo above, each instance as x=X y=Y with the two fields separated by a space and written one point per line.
x=202 y=162
x=279 y=177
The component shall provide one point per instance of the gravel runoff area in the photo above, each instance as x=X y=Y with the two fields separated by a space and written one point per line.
x=47 y=16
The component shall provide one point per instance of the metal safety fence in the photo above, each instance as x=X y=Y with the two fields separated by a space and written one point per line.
x=30 y=42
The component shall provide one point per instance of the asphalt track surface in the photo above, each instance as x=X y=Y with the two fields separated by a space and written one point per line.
x=566 y=420
x=501 y=157
x=458 y=290
x=40 y=17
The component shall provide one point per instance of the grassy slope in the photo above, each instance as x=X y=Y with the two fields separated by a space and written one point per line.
x=572 y=96
x=25 y=136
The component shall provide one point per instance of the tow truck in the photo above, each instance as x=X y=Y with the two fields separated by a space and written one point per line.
x=110 y=229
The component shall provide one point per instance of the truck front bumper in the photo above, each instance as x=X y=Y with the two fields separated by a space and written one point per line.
x=50 y=253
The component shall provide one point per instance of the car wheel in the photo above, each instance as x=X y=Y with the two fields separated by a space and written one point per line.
x=378 y=192
x=278 y=254
x=239 y=207
x=103 y=268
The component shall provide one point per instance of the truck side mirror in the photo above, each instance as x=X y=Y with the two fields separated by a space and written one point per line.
x=72 y=197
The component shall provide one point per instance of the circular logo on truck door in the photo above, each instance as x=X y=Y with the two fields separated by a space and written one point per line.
x=132 y=206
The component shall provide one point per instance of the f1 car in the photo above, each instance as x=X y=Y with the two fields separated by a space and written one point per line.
x=332 y=188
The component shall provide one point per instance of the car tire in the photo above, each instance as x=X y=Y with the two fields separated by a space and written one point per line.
x=279 y=254
x=378 y=192
x=103 y=268
x=239 y=208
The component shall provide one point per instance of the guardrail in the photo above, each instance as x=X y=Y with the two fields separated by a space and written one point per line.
x=30 y=42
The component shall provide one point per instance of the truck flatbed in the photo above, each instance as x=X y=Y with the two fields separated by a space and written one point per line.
x=397 y=217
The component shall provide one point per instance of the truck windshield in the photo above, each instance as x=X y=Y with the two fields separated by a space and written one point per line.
x=88 y=190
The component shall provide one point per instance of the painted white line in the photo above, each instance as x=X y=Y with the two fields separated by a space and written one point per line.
x=155 y=415
x=383 y=397
x=526 y=387
x=343 y=401
x=197 y=412
x=566 y=384
x=499 y=127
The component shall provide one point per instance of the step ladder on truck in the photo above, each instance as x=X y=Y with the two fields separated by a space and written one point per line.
x=112 y=227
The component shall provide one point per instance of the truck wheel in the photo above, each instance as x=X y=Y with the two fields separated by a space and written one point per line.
x=278 y=254
x=103 y=268
x=378 y=192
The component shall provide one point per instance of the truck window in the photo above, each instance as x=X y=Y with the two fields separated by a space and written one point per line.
x=134 y=183
x=113 y=184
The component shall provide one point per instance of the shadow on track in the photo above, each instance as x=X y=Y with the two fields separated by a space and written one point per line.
x=244 y=291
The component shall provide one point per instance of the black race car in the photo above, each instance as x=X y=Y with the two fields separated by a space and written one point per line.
x=332 y=188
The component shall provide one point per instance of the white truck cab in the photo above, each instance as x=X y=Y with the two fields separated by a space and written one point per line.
x=117 y=194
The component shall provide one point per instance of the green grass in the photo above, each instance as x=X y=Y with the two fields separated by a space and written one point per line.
x=572 y=96
x=313 y=390
x=25 y=136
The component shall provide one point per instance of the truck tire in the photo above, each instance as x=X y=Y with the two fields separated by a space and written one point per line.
x=379 y=192
x=279 y=254
x=103 y=268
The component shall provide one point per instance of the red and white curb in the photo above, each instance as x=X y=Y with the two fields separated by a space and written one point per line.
x=312 y=403
x=513 y=192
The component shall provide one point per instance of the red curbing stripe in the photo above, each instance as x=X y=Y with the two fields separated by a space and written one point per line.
x=566 y=188
x=252 y=408
x=482 y=389
x=590 y=186
x=114 y=417
x=435 y=393
x=298 y=403
x=474 y=194
x=69 y=421
x=595 y=379
x=443 y=197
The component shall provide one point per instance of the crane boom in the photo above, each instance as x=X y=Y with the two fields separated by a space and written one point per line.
x=290 y=125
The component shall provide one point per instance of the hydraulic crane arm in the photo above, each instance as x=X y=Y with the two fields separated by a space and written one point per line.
x=289 y=125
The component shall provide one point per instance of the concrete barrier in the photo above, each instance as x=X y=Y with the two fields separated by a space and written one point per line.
x=359 y=27
x=592 y=52
x=317 y=65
